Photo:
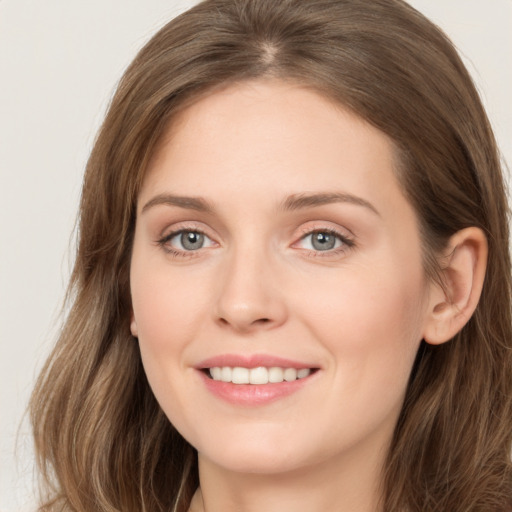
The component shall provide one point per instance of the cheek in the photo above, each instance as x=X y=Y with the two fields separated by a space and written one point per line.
x=371 y=324
x=165 y=311
x=368 y=305
x=164 y=308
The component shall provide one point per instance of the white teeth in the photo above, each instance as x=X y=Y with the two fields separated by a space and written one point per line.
x=303 y=372
x=259 y=375
x=275 y=375
x=290 y=374
x=216 y=373
x=240 y=375
x=225 y=374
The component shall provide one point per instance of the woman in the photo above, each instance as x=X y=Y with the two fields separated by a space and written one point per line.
x=279 y=296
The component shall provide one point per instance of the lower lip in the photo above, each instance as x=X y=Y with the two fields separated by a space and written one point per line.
x=253 y=394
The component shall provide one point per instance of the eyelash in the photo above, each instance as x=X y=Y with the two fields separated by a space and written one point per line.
x=178 y=253
x=346 y=243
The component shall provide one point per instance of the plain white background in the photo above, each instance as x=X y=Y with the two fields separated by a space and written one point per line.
x=59 y=64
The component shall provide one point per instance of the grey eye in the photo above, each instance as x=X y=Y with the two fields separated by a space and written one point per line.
x=191 y=240
x=321 y=241
x=186 y=241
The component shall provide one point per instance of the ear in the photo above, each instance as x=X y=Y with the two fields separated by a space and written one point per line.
x=133 y=326
x=462 y=271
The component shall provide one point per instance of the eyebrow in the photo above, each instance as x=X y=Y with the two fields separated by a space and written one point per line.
x=189 y=203
x=291 y=203
x=300 y=201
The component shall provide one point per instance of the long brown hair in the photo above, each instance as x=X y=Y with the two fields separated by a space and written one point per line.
x=102 y=441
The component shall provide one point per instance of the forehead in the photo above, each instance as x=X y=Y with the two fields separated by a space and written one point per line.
x=272 y=132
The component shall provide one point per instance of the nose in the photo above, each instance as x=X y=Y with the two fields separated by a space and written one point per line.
x=250 y=298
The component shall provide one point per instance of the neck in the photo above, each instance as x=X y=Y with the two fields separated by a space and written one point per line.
x=351 y=485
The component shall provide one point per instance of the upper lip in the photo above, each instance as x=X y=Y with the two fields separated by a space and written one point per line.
x=252 y=361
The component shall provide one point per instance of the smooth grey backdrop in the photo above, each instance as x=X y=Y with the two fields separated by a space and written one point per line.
x=59 y=63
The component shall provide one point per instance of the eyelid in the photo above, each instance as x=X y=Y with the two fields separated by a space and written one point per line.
x=346 y=237
x=176 y=229
x=324 y=226
x=176 y=234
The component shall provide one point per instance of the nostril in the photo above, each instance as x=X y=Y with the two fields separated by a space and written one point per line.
x=245 y=324
x=257 y=321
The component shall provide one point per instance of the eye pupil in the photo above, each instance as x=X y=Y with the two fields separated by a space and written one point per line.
x=191 y=240
x=323 y=241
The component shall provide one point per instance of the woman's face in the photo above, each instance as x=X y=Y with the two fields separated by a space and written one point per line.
x=272 y=237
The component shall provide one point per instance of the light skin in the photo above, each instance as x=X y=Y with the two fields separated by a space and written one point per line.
x=304 y=248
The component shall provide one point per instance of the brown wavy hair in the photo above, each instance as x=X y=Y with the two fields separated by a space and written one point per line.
x=102 y=441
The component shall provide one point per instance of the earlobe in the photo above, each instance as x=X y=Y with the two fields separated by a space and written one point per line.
x=463 y=273
x=133 y=326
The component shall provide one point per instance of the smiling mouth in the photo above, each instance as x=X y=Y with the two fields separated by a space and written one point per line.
x=257 y=376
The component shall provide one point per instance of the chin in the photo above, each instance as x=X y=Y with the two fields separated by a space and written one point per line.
x=260 y=455
x=256 y=463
